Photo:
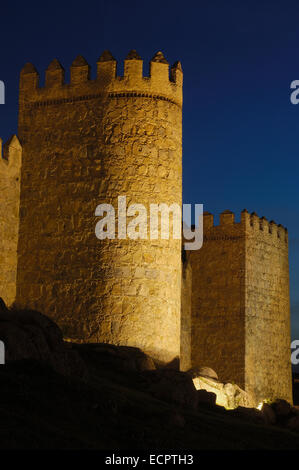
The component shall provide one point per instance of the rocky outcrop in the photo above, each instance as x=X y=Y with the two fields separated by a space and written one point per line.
x=228 y=395
x=28 y=334
x=286 y=415
x=268 y=414
x=171 y=386
x=206 y=397
x=278 y=413
x=122 y=399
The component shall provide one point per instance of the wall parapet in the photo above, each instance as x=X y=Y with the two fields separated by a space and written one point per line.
x=161 y=82
x=251 y=222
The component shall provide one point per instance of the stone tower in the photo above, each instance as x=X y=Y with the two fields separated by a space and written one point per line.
x=86 y=143
x=240 y=304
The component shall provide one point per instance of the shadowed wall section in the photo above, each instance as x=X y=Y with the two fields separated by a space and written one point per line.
x=186 y=312
x=218 y=290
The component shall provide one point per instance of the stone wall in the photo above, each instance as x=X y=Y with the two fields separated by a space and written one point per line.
x=10 y=164
x=86 y=143
x=267 y=358
x=186 y=312
x=217 y=338
x=240 y=305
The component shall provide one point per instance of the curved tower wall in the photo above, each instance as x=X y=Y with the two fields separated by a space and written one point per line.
x=86 y=143
x=10 y=168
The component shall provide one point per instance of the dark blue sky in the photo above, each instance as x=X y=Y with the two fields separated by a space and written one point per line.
x=241 y=133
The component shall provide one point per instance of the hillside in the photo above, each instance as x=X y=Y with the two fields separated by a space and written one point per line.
x=93 y=396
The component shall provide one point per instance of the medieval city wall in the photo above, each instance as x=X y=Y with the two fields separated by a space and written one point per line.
x=87 y=142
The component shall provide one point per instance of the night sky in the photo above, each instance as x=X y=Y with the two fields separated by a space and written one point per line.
x=240 y=130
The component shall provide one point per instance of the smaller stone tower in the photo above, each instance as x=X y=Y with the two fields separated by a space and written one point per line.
x=240 y=304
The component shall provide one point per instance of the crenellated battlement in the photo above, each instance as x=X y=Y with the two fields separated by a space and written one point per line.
x=11 y=154
x=250 y=222
x=263 y=225
x=162 y=84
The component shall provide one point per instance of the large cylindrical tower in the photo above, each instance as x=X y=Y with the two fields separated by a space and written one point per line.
x=86 y=143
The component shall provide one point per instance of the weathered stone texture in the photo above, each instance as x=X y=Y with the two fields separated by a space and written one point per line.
x=186 y=313
x=228 y=395
x=84 y=144
x=240 y=305
x=218 y=274
x=267 y=354
x=10 y=164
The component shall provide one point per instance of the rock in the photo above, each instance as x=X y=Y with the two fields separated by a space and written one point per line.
x=129 y=364
x=206 y=397
x=228 y=395
x=176 y=419
x=28 y=318
x=171 y=386
x=208 y=372
x=17 y=343
x=131 y=358
x=268 y=414
x=69 y=363
x=236 y=396
x=28 y=334
x=293 y=423
x=251 y=414
x=203 y=372
x=51 y=331
x=281 y=408
x=145 y=363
